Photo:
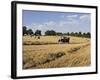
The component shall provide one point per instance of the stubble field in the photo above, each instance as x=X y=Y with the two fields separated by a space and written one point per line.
x=47 y=52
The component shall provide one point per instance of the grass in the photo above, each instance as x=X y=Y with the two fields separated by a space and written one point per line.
x=29 y=62
x=44 y=40
x=38 y=43
x=39 y=54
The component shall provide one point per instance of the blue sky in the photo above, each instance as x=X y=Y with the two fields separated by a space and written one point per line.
x=58 y=21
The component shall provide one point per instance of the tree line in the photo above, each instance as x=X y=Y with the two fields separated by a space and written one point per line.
x=30 y=31
x=54 y=33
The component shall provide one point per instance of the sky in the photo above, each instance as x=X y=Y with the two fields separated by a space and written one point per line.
x=59 y=21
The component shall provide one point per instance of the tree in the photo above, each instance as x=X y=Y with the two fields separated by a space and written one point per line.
x=64 y=33
x=38 y=32
x=24 y=30
x=68 y=33
x=50 y=32
x=59 y=33
x=88 y=34
x=76 y=34
x=84 y=35
x=79 y=34
x=30 y=32
x=72 y=33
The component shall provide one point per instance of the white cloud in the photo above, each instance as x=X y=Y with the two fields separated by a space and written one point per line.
x=72 y=16
x=60 y=26
x=84 y=17
x=65 y=25
x=50 y=25
x=69 y=16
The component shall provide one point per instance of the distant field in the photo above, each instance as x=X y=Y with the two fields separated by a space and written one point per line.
x=27 y=40
x=46 y=52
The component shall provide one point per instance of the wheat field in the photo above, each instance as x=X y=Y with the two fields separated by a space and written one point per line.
x=46 y=52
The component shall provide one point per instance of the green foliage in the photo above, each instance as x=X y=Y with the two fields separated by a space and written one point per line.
x=88 y=34
x=30 y=32
x=38 y=32
x=24 y=30
x=27 y=32
x=68 y=33
x=59 y=33
x=50 y=32
x=80 y=34
x=72 y=34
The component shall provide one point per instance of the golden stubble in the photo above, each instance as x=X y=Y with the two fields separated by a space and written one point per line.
x=74 y=54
